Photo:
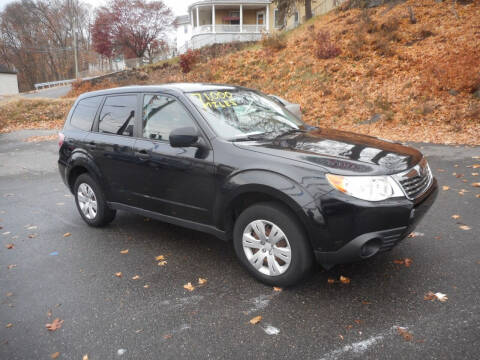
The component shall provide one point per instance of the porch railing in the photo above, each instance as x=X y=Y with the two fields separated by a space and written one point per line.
x=226 y=28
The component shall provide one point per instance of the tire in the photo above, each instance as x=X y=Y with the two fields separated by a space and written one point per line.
x=270 y=268
x=85 y=185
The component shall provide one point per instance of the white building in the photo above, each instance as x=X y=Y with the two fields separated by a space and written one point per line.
x=8 y=81
x=184 y=32
x=222 y=21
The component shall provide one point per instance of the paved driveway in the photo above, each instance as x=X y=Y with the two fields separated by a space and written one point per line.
x=46 y=275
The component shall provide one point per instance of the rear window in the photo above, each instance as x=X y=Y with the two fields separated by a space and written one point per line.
x=84 y=113
x=118 y=115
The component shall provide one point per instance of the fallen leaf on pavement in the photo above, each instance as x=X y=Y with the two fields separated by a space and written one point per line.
x=344 y=280
x=162 y=263
x=455 y=216
x=408 y=262
x=160 y=257
x=476 y=184
x=275 y=288
x=398 y=262
x=66 y=234
x=366 y=302
x=85 y=357
x=445 y=187
x=124 y=251
x=435 y=296
x=55 y=355
x=118 y=274
x=136 y=277
x=167 y=336
x=146 y=286
x=189 y=286
x=478 y=196
x=441 y=170
x=405 y=334
x=11 y=266
x=9 y=325
x=31 y=236
x=9 y=246
x=202 y=281
x=464 y=227
x=256 y=320
x=9 y=294
x=458 y=175
x=56 y=324
x=476 y=166
x=331 y=281
x=475 y=174
x=33 y=227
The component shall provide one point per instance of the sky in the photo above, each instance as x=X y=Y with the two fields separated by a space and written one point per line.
x=179 y=7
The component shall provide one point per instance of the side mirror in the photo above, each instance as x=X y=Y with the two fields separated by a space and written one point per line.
x=183 y=137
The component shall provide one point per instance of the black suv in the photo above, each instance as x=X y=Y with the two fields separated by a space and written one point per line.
x=235 y=163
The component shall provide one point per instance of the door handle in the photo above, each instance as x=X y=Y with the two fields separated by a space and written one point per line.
x=142 y=154
x=91 y=145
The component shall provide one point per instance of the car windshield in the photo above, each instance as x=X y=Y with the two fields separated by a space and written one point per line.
x=237 y=114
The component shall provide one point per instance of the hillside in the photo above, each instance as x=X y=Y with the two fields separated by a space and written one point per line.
x=371 y=71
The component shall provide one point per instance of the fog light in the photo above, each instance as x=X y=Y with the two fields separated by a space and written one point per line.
x=370 y=248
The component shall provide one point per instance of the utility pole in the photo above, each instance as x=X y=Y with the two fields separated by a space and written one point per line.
x=75 y=53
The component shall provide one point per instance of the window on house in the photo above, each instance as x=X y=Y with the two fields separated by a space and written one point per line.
x=277 y=20
x=185 y=28
x=234 y=17
x=296 y=17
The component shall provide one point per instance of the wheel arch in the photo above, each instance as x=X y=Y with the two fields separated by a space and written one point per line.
x=249 y=187
x=80 y=163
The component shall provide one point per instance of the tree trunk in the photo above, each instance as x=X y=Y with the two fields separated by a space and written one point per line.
x=308 y=9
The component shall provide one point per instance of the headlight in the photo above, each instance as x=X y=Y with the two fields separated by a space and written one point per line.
x=370 y=188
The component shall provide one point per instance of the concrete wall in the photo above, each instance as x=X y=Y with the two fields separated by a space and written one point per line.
x=8 y=84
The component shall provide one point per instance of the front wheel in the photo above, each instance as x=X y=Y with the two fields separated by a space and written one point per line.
x=271 y=244
x=90 y=202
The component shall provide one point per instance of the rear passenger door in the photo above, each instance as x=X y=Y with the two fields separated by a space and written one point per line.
x=111 y=145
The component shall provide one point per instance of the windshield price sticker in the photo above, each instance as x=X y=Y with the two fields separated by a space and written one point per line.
x=216 y=99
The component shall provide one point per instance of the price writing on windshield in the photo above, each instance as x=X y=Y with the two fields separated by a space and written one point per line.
x=215 y=99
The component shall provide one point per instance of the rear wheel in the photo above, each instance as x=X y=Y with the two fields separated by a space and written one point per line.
x=91 y=203
x=271 y=244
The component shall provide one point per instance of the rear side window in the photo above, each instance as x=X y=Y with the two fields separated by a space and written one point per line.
x=118 y=115
x=84 y=113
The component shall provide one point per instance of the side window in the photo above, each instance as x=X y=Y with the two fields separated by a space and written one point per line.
x=84 y=113
x=118 y=115
x=161 y=115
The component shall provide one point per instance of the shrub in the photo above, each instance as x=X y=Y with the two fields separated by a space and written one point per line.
x=187 y=60
x=275 y=42
x=324 y=47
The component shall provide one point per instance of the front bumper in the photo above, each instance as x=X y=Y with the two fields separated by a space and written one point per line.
x=369 y=244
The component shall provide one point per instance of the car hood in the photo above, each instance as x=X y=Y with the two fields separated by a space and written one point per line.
x=340 y=152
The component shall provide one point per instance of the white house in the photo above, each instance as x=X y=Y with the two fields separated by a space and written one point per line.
x=222 y=21
x=8 y=81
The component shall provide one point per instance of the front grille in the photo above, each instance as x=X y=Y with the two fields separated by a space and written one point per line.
x=416 y=180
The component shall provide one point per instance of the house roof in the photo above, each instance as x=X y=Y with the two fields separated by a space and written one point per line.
x=228 y=2
x=6 y=70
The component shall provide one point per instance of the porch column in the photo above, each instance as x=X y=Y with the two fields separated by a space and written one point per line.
x=241 y=17
x=267 y=20
x=198 y=19
x=191 y=18
x=213 y=18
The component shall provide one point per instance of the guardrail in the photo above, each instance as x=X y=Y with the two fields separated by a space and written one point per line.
x=53 y=83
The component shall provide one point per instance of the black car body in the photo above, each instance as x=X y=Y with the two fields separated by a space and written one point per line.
x=208 y=185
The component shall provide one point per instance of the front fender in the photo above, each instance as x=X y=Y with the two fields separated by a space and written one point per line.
x=276 y=185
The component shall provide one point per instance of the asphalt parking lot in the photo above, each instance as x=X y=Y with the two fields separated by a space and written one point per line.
x=147 y=314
